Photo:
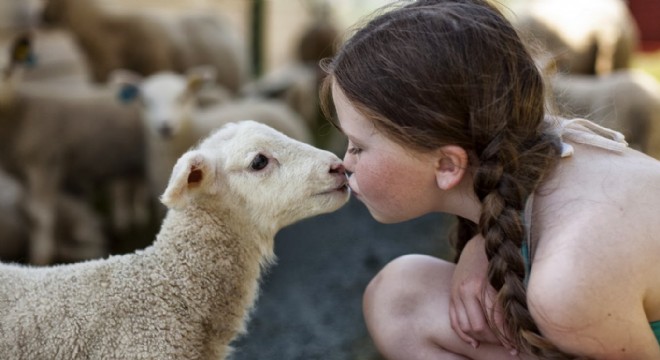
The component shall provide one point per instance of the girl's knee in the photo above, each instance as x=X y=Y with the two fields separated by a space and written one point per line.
x=401 y=291
x=390 y=283
x=406 y=275
x=401 y=299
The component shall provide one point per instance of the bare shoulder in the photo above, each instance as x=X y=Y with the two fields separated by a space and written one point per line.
x=597 y=255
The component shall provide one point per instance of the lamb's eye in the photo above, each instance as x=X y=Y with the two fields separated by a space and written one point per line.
x=259 y=162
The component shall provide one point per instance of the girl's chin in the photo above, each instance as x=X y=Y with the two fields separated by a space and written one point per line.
x=382 y=218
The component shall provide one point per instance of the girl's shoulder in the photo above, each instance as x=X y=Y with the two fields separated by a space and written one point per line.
x=597 y=218
x=596 y=246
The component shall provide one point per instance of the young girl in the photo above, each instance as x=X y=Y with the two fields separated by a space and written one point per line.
x=559 y=229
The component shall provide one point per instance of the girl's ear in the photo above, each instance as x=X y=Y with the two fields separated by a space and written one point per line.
x=450 y=166
x=191 y=172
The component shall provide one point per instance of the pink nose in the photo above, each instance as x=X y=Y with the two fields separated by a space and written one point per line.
x=338 y=169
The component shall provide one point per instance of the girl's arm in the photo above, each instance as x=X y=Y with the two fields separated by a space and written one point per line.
x=472 y=297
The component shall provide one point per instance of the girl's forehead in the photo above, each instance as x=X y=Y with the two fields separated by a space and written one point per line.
x=351 y=122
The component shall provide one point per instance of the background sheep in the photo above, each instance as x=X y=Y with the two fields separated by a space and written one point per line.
x=174 y=120
x=78 y=231
x=147 y=43
x=297 y=82
x=190 y=293
x=626 y=100
x=59 y=59
x=81 y=139
x=584 y=36
x=13 y=227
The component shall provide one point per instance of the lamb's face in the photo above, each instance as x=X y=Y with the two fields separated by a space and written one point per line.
x=167 y=104
x=271 y=178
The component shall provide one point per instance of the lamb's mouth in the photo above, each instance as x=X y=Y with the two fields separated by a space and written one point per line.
x=341 y=189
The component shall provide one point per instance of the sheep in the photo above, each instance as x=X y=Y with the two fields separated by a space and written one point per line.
x=626 y=100
x=585 y=36
x=190 y=293
x=147 y=42
x=59 y=59
x=17 y=15
x=80 y=138
x=297 y=84
x=13 y=228
x=208 y=40
x=174 y=121
x=78 y=232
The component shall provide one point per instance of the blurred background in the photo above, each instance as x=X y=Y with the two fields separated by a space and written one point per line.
x=83 y=154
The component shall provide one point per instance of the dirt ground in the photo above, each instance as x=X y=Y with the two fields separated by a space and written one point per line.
x=310 y=305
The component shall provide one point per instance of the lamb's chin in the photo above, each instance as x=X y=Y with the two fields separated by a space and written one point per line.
x=332 y=200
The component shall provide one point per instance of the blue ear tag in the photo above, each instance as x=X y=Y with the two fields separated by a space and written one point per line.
x=128 y=93
x=31 y=60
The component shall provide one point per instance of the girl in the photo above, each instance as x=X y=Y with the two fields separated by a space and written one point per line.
x=558 y=239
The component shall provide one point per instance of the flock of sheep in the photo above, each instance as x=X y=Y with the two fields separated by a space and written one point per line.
x=586 y=47
x=108 y=100
x=111 y=120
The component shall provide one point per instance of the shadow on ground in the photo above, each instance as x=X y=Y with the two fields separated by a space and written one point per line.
x=310 y=304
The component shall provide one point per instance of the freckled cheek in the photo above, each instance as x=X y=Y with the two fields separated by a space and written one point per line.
x=370 y=182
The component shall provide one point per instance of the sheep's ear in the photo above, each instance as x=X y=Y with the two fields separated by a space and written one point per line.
x=190 y=173
x=199 y=77
x=22 y=51
x=127 y=85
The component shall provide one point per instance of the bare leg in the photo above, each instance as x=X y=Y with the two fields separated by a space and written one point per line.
x=406 y=308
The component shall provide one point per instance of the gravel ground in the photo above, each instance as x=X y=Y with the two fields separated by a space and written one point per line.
x=310 y=304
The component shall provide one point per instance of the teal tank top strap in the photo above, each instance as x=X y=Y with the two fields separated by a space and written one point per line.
x=524 y=249
x=526 y=243
x=655 y=326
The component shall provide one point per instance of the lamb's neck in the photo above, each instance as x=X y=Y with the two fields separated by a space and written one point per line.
x=219 y=263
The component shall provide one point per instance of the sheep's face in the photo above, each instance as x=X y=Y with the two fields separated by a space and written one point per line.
x=168 y=102
x=256 y=171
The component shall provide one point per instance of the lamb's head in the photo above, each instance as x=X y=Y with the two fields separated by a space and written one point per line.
x=168 y=99
x=258 y=174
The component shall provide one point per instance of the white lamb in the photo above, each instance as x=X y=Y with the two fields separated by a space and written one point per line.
x=189 y=294
x=174 y=119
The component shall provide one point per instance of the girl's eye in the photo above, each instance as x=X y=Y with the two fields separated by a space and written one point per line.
x=354 y=150
x=259 y=162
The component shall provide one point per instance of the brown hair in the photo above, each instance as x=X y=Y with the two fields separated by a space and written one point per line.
x=438 y=72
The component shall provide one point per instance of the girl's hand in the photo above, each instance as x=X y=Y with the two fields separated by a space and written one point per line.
x=473 y=298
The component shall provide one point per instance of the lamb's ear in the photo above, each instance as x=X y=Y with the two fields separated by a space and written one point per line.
x=192 y=171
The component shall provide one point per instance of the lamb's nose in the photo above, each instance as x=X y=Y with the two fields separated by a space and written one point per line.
x=338 y=169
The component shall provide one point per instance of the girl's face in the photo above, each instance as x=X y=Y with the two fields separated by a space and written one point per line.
x=395 y=184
